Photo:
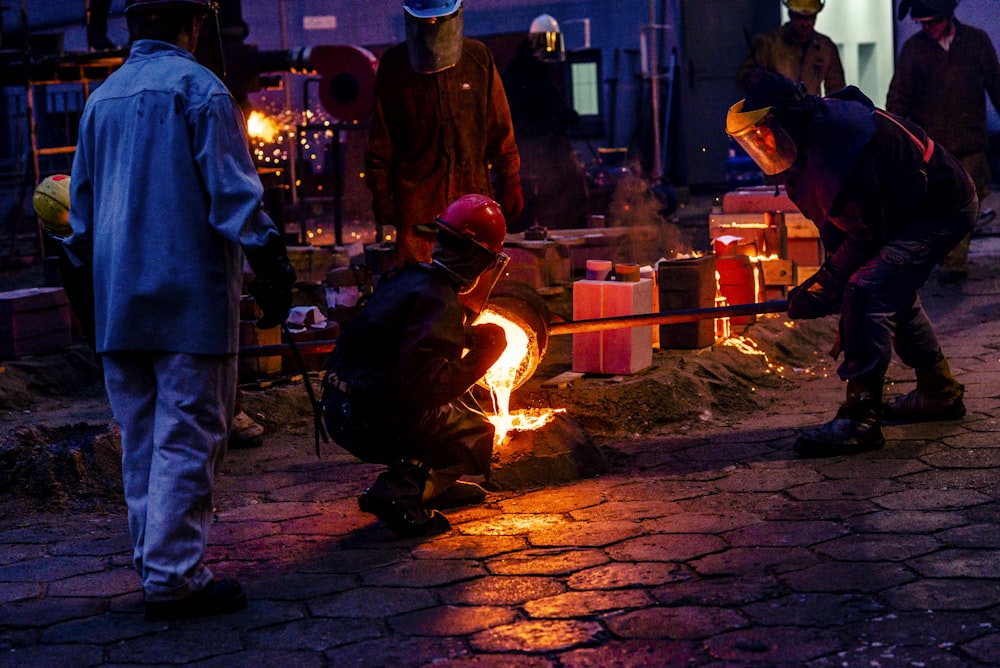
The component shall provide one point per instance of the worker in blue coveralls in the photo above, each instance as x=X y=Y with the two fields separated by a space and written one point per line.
x=166 y=203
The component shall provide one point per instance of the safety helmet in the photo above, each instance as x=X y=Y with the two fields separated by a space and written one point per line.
x=434 y=33
x=760 y=134
x=926 y=9
x=546 y=38
x=807 y=7
x=51 y=202
x=207 y=6
x=471 y=232
x=431 y=9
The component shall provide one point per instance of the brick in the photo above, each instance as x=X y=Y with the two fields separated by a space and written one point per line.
x=34 y=321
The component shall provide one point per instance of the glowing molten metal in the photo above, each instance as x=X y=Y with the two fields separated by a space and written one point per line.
x=501 y=379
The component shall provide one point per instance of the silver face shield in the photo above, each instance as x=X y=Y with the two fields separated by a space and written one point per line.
x=435 y=44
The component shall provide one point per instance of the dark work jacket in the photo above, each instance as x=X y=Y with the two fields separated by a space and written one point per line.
x=945 y=91
x=862 y=180
x=436 y=137
x=398 y=347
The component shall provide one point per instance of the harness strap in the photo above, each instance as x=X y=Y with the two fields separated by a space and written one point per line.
x=926 y=150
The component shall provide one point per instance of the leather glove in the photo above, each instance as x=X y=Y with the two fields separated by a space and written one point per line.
x=513 y=202
x=486 y=342
x=818 y=296
x=274 y=277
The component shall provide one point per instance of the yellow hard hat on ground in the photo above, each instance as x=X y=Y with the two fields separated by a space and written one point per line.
x=51 y=202
x=804 y=6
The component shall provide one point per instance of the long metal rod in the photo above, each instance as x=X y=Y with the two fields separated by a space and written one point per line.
x=575 y=327
x=667 y=318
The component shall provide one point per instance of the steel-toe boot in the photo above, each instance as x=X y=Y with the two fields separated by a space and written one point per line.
x=857 y=427
x=396 y=498
x=938 y=396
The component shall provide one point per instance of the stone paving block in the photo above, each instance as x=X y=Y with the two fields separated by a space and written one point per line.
x=195 y=644
x=423 y=573
x=816 y=609
x=48 y=568
x=958 y=564
x=373 y=602
x=891 y=654
x=878 y=547
x=666 y=547
x=102 y=630
x=469 y=547
x=553 y=561
x=753 y=560
x=342 y=559
x=396 y=651
x=585 y=534
x=906 y=521
x=300 y=586
x=632 y=653
x=695 y=522
x=317 y=635
x=676 y=623
x=985 y=649
x=857 y=488
x=536 y=636
x=11 y=553
x=52 y=655
x=932 y=499
x=266 y=658
x=511 y=524
x=772 y=646
x=762 y=478
x=627 y=574
x=40 y=612
x=231 y=533
x=500 y=590
x=778 y=533
x=633 y=510
x=919 y=628
x=103 y=584
x=575 y=604
x=974 y=535
x=451 y=620
x=721 y=591
x=19 y=591
x=845 y=576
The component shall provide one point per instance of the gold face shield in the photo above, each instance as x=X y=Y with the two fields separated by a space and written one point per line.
x=762 y=137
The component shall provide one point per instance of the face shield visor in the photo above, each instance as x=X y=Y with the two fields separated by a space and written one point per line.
x=434 y=44
x=762 y=137
x=476 y=266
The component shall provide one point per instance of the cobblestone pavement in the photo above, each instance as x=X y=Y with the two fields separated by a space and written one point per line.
x=718 y=547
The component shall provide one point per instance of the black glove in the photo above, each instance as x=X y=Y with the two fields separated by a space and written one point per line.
x=486 y=343
x=818 y=296
x=274 y=277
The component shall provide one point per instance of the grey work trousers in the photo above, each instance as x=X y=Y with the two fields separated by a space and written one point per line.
x=175 y=411
x=881 y=310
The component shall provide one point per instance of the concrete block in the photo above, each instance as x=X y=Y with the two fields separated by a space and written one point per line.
x=614 y=351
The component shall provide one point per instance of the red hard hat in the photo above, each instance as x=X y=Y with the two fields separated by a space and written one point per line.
x=205 y=5
x=478 y=218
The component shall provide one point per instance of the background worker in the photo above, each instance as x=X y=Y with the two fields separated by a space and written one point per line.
x=440 y=121
x=796 y=51
x=165 y=199
x=552 y=179
x=889 y=204
x=397 y=387
x=943 y=75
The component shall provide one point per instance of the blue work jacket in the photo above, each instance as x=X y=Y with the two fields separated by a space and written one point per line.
x=164 y=197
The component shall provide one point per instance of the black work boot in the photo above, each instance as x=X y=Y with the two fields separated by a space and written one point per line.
x=396 y=498
x=938 y=396
x=857 y=427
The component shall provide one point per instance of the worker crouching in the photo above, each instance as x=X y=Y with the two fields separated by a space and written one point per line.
x=397 y=390
x=889 y=205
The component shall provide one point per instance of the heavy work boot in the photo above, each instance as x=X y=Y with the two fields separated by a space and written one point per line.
x=857 y=427
x=938 y=396
x=396 y=498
